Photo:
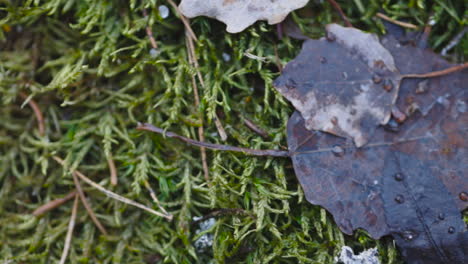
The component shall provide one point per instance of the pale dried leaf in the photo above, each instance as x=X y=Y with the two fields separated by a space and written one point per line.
x=239 y=14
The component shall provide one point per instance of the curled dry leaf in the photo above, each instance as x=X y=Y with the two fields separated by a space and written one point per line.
x=345 y=85
x=410 y=180
x=239 y=14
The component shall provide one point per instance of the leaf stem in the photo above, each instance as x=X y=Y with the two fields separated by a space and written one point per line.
x=437 y=73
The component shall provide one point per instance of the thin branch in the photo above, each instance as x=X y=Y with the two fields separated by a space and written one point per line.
x=201 y=132
x=71 y=226
x=184 y=20
x=112 y=194
x=37 y=113
x=340 y=11
x=149 y=32
x=53 y=204
x=85 y=203
x=437 y=73
x=191 y=47
x=396 y=22
x=255 y=152
x=112 y=170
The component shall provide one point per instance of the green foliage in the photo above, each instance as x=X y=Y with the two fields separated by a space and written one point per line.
x=89 y=66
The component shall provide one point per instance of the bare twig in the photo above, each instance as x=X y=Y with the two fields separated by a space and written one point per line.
x=255 y=128
x=149 y=32
x=191 y=47
x=437 y=73
x=396 y=22
x=201 y=132
x=255 y=152
x=86 y=204
x=53 y=204
x=37 y=112
x=184 y=20
x=154 y=197
x=220 y=128
x=71 y=226
x=112 y=194
x=112 y=170
x=340 y=11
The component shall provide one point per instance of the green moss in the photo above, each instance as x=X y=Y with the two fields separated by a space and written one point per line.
x=88 y=66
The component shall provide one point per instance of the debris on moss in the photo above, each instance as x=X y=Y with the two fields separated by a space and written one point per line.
x=91 y=69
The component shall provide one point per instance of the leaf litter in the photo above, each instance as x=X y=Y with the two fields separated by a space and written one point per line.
x=404 y=177
x=409 y=179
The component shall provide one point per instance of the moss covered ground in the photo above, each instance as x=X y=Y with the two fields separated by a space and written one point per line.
x=91 y=70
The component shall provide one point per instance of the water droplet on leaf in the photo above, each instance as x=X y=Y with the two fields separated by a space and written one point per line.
x=338 y=151
x=399 y=177
x=399 y=199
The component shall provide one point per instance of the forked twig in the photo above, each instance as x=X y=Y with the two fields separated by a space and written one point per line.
x=85 y=203
x=255 y=152
x=71 y=226
x=112 y=194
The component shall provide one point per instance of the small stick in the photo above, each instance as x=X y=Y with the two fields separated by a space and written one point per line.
x=112 y=194
x=71 y=226
x=149 y=32
x=396 y=22
x=37 y=113
x=86 y=204
x=248 y=123
x=255 y=152
x=184 y=20
x=154 y=197
x=340 y=11
x=220 y=128
x=201 y=132
x=437 y=73
x=53 y=204
x=112 y=170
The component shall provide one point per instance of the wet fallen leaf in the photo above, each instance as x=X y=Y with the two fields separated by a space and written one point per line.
x=345 y=85
x=410 y=180
x=237 y=14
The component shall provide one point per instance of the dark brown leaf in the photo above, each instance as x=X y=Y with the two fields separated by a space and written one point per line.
x=409 y=180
